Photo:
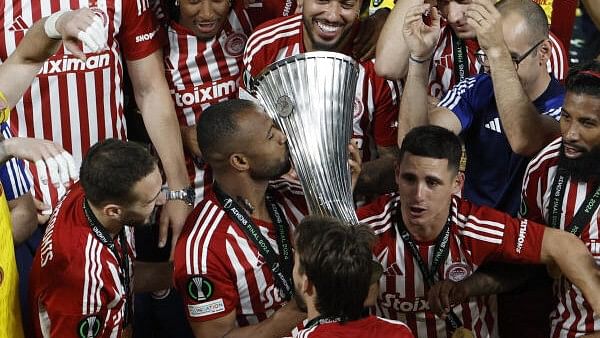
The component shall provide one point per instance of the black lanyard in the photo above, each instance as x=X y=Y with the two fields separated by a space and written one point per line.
x=460 y=58
x=280 y=266
x=321 y=320
x=585 y=211
x=122 y=257
x=440 y=253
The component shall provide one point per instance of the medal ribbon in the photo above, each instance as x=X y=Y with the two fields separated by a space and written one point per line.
x=585 y=211
x=461 y=60
x=280 y=266
x=321 y=320
x=122 y=257
x=440 y=253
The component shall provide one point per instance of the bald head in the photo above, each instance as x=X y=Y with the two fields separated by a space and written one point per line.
x=530 y=15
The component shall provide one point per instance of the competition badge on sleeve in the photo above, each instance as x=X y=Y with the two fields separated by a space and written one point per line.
x=89 y=327
x=310 y=97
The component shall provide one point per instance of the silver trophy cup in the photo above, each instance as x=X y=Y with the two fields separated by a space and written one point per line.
x=310 y=97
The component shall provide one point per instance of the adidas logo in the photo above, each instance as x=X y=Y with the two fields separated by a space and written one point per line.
x=494 y=125
x=19 y=25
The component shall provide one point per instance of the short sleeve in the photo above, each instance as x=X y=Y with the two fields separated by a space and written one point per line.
x=210 y=295
x=468 y=98
x=140 y=34
x=493 y=235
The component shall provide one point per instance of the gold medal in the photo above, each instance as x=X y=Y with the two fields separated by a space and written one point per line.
x=461 y=332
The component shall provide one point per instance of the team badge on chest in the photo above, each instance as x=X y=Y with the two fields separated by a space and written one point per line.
x=457 y=271
x=235 y=44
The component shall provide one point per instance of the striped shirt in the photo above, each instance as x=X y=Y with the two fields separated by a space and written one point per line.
x=15 y=178
x=442 y=78
x=72 y=102
x=74 y=282
x=477 y=234
x=573 y=315
x=219 y=270
x=201 y=73
x=376 y=101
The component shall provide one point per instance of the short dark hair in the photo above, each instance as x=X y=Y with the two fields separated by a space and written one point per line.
x=337 y=259
x=218 y=123
x=435 y=142
x=585 y=79
x=110 y=170
x=532 y=13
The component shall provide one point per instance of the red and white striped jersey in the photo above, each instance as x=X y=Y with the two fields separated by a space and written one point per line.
x=442 y=78
x=201 y=73
x=371 y=326
x=478 y=234
x=71 y=102
x=75 y=289
x=376 y=102
x=219 y=270
x=573 y=315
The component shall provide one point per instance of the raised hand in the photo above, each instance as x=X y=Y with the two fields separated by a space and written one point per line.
x=421 y=38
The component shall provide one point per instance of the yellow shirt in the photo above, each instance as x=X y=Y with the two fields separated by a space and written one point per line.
x=10 y=310
x=547 y=6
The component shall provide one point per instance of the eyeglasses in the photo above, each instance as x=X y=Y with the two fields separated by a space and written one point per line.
x=482 y=57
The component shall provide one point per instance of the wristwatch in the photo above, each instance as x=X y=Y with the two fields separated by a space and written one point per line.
x=188 y=195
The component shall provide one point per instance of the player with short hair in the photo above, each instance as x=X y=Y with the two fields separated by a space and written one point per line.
x=82 y=279
x=333 y=265
x=429 y=234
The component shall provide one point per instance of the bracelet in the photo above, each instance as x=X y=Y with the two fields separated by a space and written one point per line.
x=50 y=25
x=412 y=58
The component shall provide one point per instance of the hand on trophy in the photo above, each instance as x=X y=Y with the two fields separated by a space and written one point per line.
x=355 y=162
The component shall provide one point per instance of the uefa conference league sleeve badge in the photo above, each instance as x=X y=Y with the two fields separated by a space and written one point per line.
x=199 y=288
x=89 y=327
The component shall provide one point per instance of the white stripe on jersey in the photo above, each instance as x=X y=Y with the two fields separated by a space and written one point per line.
x=402 y=287
x=241 y=284
x=92 y=280
x=273 y=29
x=452 y=98
x=248 y=60
x=142 y=6
x=557 y=62
x=62 y=121
x=286 y=28
x=193 y=267
x=573 y=314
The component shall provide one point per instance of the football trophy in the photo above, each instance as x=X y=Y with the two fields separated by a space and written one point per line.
x=310 y=97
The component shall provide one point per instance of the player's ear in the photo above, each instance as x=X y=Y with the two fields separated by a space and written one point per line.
x=112 y=210
x=239 y=161
x=459 y=181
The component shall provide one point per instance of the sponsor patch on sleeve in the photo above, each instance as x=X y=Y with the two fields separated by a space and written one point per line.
x=206 y=309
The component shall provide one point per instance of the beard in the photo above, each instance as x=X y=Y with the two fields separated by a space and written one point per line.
x=271 y=171
x=133 y=219
x=584 y=167
x=328 y=46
